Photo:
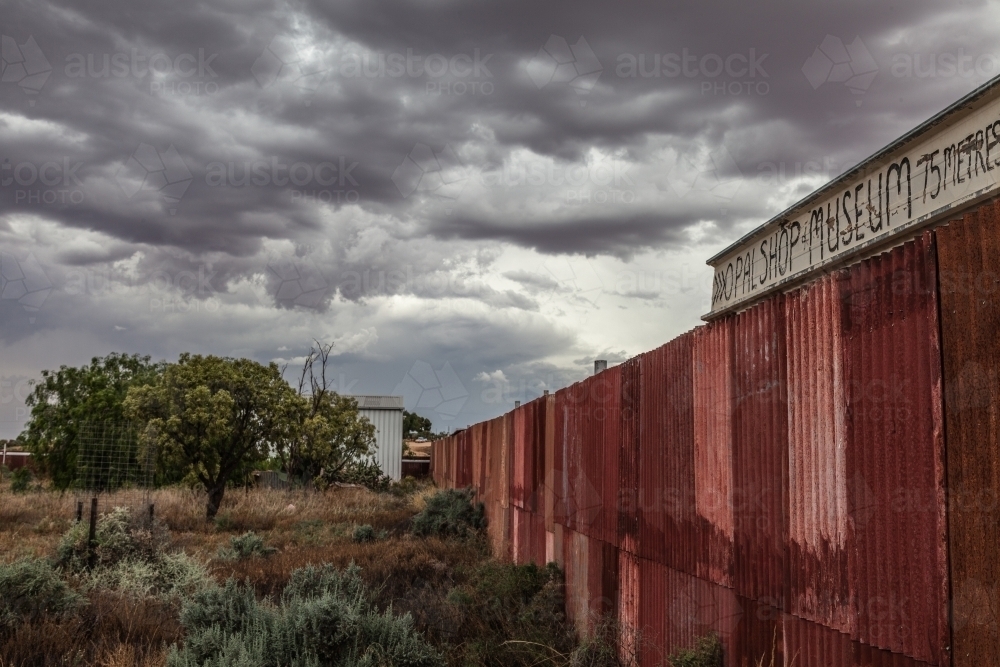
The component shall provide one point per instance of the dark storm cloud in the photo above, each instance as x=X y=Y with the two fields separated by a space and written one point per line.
x=294 y=161
x=357 y=114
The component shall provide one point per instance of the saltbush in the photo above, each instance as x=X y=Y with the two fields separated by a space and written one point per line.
x=247 y=545
x=323 y=617
x=707 y=652
x=130 y=558
x=120 y=536
x=170 y=576
x=30 y=588
x=450 y=513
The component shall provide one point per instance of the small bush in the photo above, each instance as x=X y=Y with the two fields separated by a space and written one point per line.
x=20 y=480
x=31 y=588
x=313 y=582
x=364 y=534
x=121 y=536
x=324 y=617
x=707 y=652
x=366 y=473
x=450 y=513
x=171 y=576
x=507 y=615
x=247 y=545
x=406 y=487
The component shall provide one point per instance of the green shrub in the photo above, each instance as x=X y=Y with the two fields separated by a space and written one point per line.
x=247 y=545
x=364 y=534
x=171 y=576
x=316 y=581
x=324 y=617
x=365 y=472
x=406 y=486
x=707 y=652
x=450 y=513
x=20 y=480
x=30 y=588
x=121 y=536
x=509 y=614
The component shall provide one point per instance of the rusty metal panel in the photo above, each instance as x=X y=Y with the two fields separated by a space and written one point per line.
x=628 y=443
x=970 y=319
x=608 y=411
x=651 y=494
x=817 y=458
x=815 y=645
x=760 y=454
x=520 y=459
x=505 y=455
x=628 y=606
x=537 y=504
x=520 y=535
x=897 y=560
x=548 y=464
x=563 y=435
x=689 y=607
x=713 y=437
x=541 y=549
x=653 y=610
x=605 y=579
x=576 y=569
x=666 y=496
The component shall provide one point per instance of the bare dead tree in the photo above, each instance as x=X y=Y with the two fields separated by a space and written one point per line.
x=315 y=379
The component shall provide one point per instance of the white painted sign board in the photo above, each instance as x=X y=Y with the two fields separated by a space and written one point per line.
x=950 y=161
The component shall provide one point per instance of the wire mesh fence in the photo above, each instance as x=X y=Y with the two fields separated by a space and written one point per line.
x=114 y=467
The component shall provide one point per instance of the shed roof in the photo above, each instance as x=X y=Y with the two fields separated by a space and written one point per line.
x=379 y=402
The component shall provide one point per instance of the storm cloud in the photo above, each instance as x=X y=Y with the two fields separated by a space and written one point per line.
x=473 y=200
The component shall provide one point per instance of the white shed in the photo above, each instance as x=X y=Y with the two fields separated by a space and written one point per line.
x=386 y=415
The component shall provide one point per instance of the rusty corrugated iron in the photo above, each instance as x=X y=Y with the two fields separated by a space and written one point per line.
x=576 y=569
x=760 y=454
x=627 y=496
x=815 y=645
x=548 y=478
x=970 y=322
x=713 y=440
x=628 y=606
x=681 y=523
x=897 y=561
x=652 y=484
x=606 y=405
x=817 y=459
x=676 y=608
x=790 y=457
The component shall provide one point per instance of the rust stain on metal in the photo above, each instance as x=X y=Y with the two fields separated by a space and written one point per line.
x=817 y=458
x=627 y=495
x=970 y=322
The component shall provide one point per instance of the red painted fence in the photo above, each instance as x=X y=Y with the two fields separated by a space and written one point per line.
x=782 y=476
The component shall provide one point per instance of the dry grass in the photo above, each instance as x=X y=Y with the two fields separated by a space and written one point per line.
x=409 y=573
x=393 y=566
x=111 y=631
x=32 y=523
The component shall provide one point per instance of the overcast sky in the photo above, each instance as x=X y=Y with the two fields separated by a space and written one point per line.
x=472 y=200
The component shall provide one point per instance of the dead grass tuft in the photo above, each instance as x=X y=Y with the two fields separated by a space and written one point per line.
x=391 y=566
x=111 y=630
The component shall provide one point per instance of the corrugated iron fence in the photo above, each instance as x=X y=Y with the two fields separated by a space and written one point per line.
x=781 y=477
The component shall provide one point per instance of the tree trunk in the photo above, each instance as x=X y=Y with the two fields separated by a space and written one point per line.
x=215 y=494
